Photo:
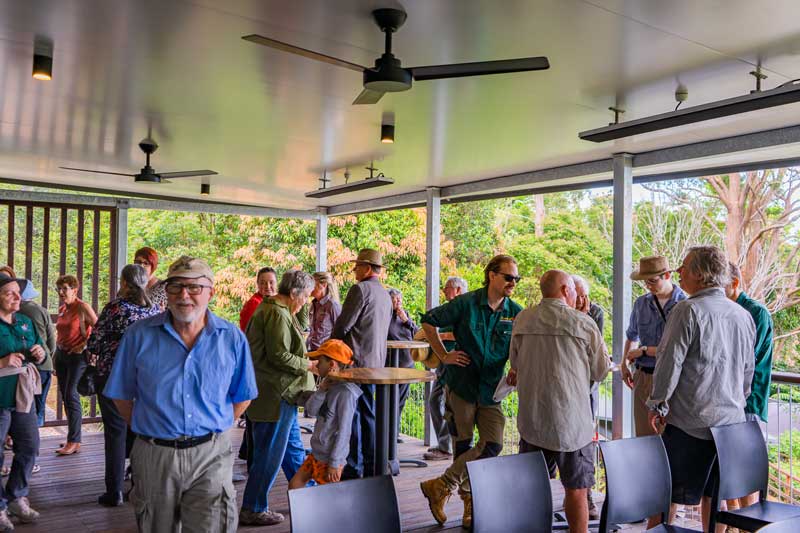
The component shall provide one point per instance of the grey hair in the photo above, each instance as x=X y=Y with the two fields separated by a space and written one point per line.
x=295 y=282
x=580 y=280
x=394 y=292
x=711 y=264
x=457 y=281
x=136 y=278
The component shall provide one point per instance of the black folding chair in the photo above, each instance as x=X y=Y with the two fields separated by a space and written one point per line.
x=367 y=505
x=787 y=526
x=743 y=470
x=511 y=494
x=638 y=483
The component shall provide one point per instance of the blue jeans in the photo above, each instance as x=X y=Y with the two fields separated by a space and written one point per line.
x=276 y=445
x=25 y=433
x=40 y=399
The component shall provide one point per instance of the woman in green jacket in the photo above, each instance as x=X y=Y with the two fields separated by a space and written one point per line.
x=282 y=373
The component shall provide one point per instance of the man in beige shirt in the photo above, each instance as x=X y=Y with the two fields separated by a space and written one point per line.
x=556 y=352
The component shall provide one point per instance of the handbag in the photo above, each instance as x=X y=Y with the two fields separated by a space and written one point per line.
x=87 y=385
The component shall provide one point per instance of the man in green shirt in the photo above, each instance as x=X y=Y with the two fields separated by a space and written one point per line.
x=20 y=344
x=481 y=322
x=756 y=407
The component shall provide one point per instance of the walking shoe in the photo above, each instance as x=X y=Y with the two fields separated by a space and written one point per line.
x=264 y=518
x=437 y=494
x=69 y=448
x=466 y=520
x=22 y=510
x=110 y=499
x=594 y=514
x=435 y=454
x=5 y=522
x=36 y=468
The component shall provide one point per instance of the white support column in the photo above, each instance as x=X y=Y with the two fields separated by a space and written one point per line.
x=121 y=240
x=622 y=408
x=433 y=231
x=322 y=239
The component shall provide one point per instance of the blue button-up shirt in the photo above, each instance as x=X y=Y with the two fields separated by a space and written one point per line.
x=647 y=325
x=178 y=391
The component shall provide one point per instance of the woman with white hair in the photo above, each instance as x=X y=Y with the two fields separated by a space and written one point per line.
x=283 y=372
x=132 y=304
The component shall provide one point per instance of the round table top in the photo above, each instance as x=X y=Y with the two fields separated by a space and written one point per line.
x=383 y=376
x=407 y=344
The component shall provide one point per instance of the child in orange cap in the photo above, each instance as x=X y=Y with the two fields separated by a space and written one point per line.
x=333 y=404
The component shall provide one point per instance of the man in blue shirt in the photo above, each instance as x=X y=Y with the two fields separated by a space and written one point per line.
x=181 y=379
x=648 y=319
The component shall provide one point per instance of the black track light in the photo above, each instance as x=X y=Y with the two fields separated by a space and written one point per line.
x=387 y=133
x=42 y=59
x=205 y=189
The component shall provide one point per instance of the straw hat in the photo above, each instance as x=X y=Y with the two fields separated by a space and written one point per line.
x=424 y=355
x=650 y=267
x=369 y=256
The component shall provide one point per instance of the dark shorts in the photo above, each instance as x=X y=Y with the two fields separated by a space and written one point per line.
x=693 y=464
x=576 y=468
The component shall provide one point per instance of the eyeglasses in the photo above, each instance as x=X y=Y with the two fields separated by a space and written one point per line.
x=141 y=262
x=192 y=288
x=509 y=278
x=653 y=281
x=64 y=289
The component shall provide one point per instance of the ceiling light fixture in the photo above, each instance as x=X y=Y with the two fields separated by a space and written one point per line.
x=42 y=59
x=367 y=183
x=787 y=93
x=205 y=189
x=387 y=133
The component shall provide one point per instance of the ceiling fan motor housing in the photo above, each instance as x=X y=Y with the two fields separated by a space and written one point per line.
x=388 y=76
x=147 y=175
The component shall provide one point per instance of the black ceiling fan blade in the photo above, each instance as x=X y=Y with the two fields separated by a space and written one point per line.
x=368 y=97
x=187 y=174
x=310 y=54
x=98 y=171
x=480 y=68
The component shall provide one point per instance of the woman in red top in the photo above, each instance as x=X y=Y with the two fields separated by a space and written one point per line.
x=74 y=324
x=267 y=282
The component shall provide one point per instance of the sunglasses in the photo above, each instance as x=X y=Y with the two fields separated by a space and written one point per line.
x=192 y=288
x=509 y=278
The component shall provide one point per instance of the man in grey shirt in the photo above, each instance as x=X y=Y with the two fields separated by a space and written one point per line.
x=704 y=367
x=364 y=326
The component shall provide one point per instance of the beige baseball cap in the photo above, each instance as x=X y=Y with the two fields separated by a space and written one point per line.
x=190 y=267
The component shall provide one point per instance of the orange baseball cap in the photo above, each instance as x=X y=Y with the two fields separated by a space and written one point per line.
x=335 y=349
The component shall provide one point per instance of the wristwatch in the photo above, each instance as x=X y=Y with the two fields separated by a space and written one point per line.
x=644 y=350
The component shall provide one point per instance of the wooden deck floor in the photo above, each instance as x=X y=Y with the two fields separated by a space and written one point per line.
x=65 y=493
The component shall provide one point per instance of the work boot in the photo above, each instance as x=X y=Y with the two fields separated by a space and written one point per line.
x=466 y=520
x=594 y=514
x=437 y=494
x=436 y=455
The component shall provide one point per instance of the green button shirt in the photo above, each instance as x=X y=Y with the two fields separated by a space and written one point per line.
x=757 y=401
x=279 y=360
x=484 y=334
x=19 y=336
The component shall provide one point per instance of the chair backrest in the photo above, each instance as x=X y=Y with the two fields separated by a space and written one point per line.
x=510 y=494
x=366 y=505
x=638 y=482
x=787 y=526
x=743 y=460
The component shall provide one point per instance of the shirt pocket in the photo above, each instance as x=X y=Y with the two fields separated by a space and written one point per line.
x=216 y=373
x=501 y=339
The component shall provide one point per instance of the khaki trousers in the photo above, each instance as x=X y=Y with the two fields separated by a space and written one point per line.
x=462 y=419
x=189 y=490
x=642 y=387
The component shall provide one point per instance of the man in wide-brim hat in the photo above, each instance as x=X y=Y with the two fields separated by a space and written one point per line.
x=364 y=325
x=645 y=328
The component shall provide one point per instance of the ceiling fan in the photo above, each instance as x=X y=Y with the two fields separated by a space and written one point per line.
x=148 y=174
x=389 y=76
